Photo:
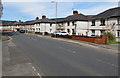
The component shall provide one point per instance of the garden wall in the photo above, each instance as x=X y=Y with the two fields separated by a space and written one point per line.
x=100 y=40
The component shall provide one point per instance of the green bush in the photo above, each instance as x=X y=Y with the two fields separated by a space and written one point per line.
x=110 y=37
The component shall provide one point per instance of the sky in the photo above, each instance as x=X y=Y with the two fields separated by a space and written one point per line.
x=30 y=10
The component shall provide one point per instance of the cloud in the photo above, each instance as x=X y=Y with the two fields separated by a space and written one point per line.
x=60 y=0
x=37 y=9
x=98 y=9
x=28 y=10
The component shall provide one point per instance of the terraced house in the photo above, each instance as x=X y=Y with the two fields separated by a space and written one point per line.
x=41 y=26
x=74 y=24
x=77 y=24
x=107 y=21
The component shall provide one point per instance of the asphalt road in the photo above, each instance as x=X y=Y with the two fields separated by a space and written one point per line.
x=57 y=58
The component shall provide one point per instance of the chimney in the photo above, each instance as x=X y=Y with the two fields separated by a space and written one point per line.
x=20 y=21
x=75 y=12
x=43 y=17
x=37 y=18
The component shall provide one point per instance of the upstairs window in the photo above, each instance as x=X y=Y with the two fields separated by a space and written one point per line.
x=50 y=24
x=68 y=23
x=73 y=23
x=93 y=23
x=102 y=22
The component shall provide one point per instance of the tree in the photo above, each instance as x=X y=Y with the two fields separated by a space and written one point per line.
x=109 y=37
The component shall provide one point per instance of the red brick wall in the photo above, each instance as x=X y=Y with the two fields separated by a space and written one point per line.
x=100 y=40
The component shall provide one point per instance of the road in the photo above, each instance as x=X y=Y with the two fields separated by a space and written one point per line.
x=56 y=58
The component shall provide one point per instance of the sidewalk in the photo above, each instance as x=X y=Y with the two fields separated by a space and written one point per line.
x=14 y=62
x=111 y=48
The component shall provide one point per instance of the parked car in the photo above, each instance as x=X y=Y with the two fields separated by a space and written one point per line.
x=22 y=31
x=55 y=33
x=63 y=33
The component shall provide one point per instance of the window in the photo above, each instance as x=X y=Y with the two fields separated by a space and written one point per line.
x=93 y=23
x=118 y=33
x=68 y=30
x=93 y=33
x=102 y=32
x=68 y=23
x=50 y=30
x=118 y=20
x=102 y=22
x=73 y=23
x=50 y=24
x=73 y=31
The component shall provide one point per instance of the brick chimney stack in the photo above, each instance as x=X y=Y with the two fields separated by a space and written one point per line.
x=43 y=17
x=75 y=12
x=37 y=18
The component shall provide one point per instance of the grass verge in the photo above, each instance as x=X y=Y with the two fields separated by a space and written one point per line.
x=113 y=42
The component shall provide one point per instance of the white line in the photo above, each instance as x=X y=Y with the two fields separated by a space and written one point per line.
x=34 y=68
x=29 y=63
x=108 y=63
x=34 y=39
x=38 y=74
x=74 y=52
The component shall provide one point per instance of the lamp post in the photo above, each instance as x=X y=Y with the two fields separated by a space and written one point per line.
x=55 y=12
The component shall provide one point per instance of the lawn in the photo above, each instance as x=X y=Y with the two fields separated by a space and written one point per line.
x=113 y=42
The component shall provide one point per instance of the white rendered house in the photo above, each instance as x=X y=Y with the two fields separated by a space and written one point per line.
x=107 y=21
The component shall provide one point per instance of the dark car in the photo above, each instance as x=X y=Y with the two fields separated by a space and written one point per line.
x=22 y=31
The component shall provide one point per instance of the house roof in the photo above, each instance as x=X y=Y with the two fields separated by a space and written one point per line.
x=76 y=17
x=113 y=12
x=58 y=19
x=7 y=23
x=45 y=20
x=29 y=22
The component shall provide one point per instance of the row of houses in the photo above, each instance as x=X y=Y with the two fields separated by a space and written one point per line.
x=78 y=24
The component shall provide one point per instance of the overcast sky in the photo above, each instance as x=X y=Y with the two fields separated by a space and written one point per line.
x=31 y=10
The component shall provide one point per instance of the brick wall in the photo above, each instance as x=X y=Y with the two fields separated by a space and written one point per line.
x=100 y=40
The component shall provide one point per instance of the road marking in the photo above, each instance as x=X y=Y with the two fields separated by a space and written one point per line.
x=34 y=68
x=38 y=74
x=10 y=38
x=36 y=71
x=107 y=63
x=34 y=39
x=74 y=51
x=29 y=63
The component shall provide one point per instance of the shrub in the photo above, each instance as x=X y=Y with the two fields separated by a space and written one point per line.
x=110 y=37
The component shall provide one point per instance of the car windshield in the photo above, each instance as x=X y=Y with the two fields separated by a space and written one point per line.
x=63 y=32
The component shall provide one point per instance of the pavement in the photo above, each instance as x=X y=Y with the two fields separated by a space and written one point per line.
x=15 y=62
x=114 y=48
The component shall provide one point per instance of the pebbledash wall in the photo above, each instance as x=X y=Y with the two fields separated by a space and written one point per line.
x=111 y=25
x=44 y=27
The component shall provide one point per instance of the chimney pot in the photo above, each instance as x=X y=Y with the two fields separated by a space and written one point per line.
x=75 y=12
x=37 y=18
x=43 y=17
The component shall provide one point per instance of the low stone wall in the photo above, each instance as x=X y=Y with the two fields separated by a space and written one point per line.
x=100 y=40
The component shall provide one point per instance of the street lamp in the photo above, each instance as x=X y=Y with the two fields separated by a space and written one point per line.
x=55 y=11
